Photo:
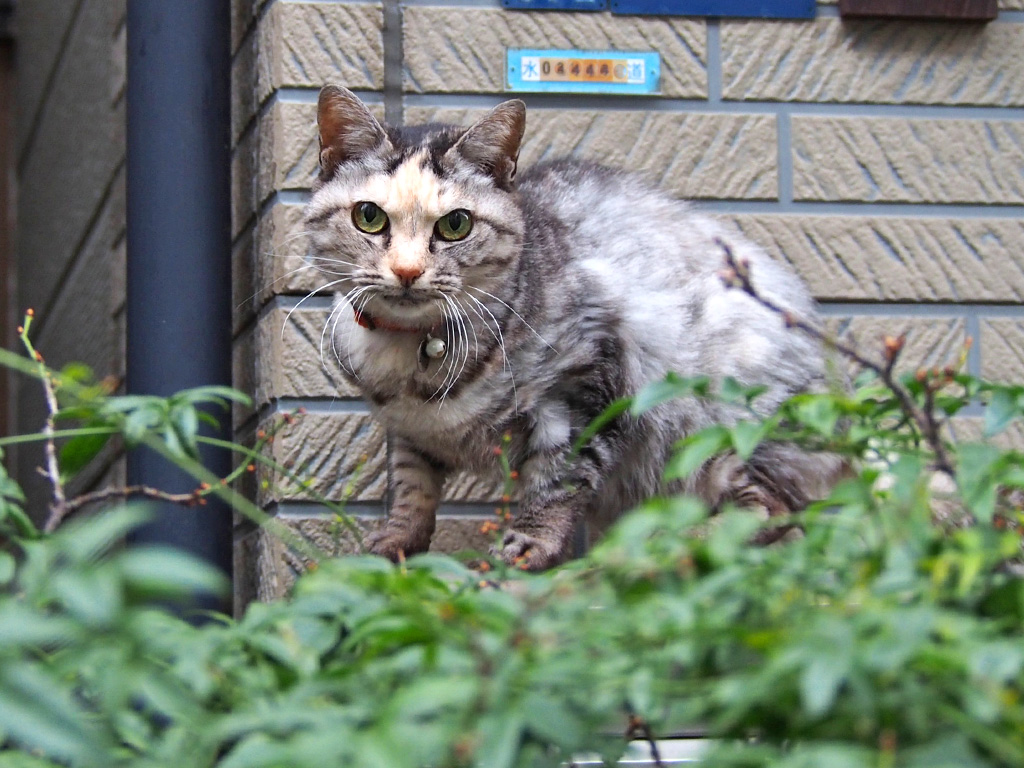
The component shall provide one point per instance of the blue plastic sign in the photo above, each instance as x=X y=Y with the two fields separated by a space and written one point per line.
x=759 y=9
x=565 y=71
x=556 y=5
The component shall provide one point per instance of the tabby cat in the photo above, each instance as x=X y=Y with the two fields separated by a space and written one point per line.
x=473 y=304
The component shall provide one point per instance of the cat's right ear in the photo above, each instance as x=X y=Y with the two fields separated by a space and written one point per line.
x=347 y=129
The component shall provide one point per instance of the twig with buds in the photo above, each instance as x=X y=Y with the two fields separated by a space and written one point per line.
x=737 y=275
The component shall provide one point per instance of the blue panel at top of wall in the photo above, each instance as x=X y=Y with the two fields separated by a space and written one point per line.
x=763 y=9
x=556 y=5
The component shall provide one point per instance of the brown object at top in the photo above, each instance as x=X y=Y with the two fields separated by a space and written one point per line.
x=967 y=10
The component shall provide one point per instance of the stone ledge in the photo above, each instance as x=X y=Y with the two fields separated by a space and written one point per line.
x=889 y=62
x=848 y=258
x=265 y=569
x=915 y=160
x=470 y=57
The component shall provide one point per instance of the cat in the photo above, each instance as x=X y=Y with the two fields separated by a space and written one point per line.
x=477 y=309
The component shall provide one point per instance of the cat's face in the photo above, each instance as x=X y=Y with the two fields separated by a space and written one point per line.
x=410 y=221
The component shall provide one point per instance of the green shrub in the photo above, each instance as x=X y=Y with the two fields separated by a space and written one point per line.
x=888 y=634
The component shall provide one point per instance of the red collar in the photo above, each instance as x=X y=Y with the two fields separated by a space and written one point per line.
x=376 y=323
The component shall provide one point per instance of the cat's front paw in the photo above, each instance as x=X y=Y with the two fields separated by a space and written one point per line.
x=396 y=544
x=530 y=552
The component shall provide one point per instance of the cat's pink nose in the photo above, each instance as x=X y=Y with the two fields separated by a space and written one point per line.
x=407 y=273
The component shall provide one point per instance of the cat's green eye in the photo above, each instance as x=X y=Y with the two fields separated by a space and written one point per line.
x=369 y=218
x=455 y=225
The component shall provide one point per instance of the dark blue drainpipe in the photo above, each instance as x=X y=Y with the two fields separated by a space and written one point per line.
x=179 y=242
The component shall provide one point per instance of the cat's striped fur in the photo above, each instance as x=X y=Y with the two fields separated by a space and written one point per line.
x=576 y=285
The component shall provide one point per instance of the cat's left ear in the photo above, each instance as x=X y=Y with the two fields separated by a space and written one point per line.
x=492 y=143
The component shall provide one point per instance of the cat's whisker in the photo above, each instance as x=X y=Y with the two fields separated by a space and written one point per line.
x=328 y=324
x=483 y=319
x=523 y=319
x=352 y=294
x=464 y=335
x=305 y=298
x=273 y=283
x=316 y=260
x=506 y=363
x=472 y=327
x=448 y=358
x=365 y=298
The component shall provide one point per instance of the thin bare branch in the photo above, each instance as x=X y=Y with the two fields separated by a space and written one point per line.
x=737 y=275
x=108 y=494
x=639 y=729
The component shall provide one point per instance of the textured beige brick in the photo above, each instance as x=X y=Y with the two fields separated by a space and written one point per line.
x=873 y=61
x=938 y=161
x=931 y=341
x=466 y=486
x=469 y=56
x=971 y=429
x=294 y=358
x=280 y=257
x=243 y=373
x=338 y=456
x=310 y=44
x=243 y=303
x=244 y=96
x=1002 y=349
x=853 y=258
x=288 y=150
x=244 y=178
x=243 y=14
x=306 y=45
x=691 y=155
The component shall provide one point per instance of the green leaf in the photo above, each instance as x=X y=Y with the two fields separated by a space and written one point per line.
x=8 y=566
x=79 y=451
x=502 y=735
x=138 y=423
x=213 y=394
x=669 y=388
x=608 y=415
x=166 y=572
x=38 y=712
x=692 y=452
x=84 y=539
x=21 y=625
x=80 y=373
x=974 y=477
x=819 y=684
x=185 y=422
x=747 y=435
x=1001 y=410
x=818 y=412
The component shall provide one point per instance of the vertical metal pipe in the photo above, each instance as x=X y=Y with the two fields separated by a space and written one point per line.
x=179 y=240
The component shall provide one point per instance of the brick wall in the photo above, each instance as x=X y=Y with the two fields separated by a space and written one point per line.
x=69 y=160
x=884 y=160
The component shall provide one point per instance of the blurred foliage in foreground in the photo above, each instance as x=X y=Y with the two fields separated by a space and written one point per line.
x=888 y=635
